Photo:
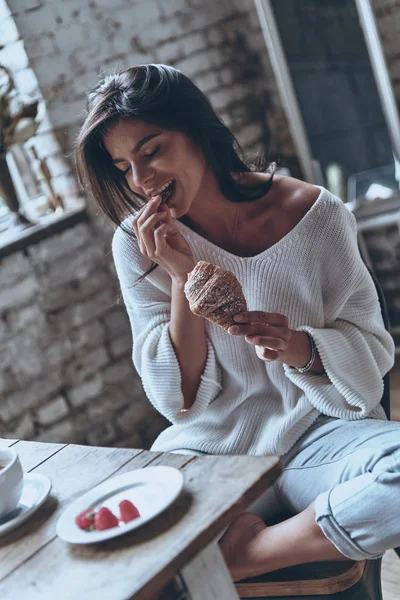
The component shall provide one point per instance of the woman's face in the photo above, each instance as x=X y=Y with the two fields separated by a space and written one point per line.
x=151 y=158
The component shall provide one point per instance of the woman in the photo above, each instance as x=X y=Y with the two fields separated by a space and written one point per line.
x=300 y=375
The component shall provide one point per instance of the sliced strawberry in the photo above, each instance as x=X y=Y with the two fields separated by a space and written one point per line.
x=128 y=511
x=85 y=520
x=105 y=519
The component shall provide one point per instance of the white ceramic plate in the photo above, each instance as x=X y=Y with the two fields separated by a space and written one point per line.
x=151 y=490
x=35 y=491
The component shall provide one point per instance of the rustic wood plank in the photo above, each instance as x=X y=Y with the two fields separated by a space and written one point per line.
x=207 y=576
x=6 y=443
x=140 y=564
x=33 y=454
x=73 y=470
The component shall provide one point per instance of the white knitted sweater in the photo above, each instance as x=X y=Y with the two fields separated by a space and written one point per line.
x=315 y=276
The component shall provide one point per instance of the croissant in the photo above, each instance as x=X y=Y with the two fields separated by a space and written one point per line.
x=215 y=294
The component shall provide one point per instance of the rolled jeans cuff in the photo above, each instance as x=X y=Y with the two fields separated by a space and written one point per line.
x=335 y=532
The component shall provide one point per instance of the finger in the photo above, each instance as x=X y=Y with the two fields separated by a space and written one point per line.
x=259 y=316
x=151 y=208
x=141 y=218
x=160 y=241
x=266 y=354
x=249 y=329
x=148 y=230
x=270 y=343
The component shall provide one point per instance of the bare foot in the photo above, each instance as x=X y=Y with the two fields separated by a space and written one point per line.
x=236 y=544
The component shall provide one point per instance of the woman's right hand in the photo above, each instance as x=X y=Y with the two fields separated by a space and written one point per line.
x=161 y=241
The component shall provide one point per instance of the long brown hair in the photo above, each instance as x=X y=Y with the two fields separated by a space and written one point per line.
x=163 y=96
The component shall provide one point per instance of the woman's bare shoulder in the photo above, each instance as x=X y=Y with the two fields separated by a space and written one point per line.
x=297 y=193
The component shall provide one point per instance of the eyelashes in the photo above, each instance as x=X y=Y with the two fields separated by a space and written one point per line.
x=146 y=156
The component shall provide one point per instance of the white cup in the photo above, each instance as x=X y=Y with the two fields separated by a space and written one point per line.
x=11 y=481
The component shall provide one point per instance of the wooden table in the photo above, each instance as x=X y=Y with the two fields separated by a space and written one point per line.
x=178 y=545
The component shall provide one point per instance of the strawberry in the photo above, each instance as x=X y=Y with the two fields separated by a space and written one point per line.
x=128 y=511
x=105 y=519
x=85 y=520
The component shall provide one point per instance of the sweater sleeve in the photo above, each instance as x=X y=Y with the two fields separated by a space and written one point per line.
x=153 y=355
x=354 y=346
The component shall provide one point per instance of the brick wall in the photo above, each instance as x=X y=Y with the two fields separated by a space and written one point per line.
x=67 y=373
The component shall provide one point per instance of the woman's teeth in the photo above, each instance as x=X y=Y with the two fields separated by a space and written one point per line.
x=162 y=188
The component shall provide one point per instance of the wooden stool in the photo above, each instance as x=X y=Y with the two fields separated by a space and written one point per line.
x=341 y=580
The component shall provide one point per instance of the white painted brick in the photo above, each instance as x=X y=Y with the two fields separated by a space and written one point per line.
x=14 y=267
x=216 y=36
x=19 y=294
x=116 y=322
x=26 y=82
x=87 y=391
x=73 y=36
x=14 y=56
x=146 y=13
x=225 y=96
x=52 y=411
x=35 y=22
x=17 y=403
x=42 y=45
x=23 y=5
x=74 y=291
x=73 y=266
x=170 y=7
x=152 y=35
x=102 y=434
x=55 y=247
x=8 y=31
x=132 y=416
x=20 y=319
x=70 y=13
x=118 y=371
x=64 y=432
x=24 y=428
x=27 y=359
x=249 y=134
x=82 y=368
x=7 y=381
x=47 y=70
x=207 y=81
x=62 y=113
x=194 y=43
x=87 y=336
x=79 y=314
x=226 y=75
x=107 y=406
x=170 y=52
x=59 y=352
x=121 y=346
x=203 y=61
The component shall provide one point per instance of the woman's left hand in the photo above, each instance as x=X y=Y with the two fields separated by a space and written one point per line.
x=269 y=332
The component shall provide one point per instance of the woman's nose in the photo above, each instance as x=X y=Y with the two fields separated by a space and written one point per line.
x=141 y=176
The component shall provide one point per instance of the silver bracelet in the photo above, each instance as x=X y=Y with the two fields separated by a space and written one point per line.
x=308 y=366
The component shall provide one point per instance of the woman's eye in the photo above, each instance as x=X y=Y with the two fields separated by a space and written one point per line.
x=125 y=171
x=152 y=153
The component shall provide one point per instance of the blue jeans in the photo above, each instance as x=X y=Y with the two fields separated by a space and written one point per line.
x=352 y=471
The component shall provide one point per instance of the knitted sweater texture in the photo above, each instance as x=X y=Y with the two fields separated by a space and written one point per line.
x=315 y=276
